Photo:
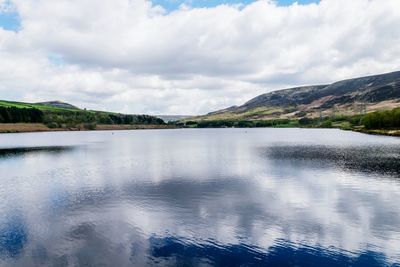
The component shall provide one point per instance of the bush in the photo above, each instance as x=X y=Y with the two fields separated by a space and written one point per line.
x=382 y=119
x=188 y=123
x=326 y=124
x=305 y=121
x=264 y=123
x=245 y=124
x=52 y=125
x=89 y=126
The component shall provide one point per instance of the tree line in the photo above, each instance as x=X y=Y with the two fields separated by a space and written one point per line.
x=70 y=118
x=55 y=119
x=382 y=119
x=236 y=124
x=14 y=115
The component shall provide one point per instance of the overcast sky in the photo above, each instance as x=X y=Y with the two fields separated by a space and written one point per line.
x=188 y=57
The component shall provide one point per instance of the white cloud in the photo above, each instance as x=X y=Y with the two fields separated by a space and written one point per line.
x=132 y=56
x=6 y=6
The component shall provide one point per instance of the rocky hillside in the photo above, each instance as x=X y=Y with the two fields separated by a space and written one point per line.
x=346 y=97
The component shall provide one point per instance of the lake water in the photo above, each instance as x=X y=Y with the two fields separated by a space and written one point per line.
x=200 y=197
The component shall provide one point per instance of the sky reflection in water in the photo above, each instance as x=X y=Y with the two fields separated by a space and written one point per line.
x=227 y=197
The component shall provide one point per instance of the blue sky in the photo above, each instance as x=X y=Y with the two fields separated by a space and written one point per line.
x=173 y=4
x=10 y=20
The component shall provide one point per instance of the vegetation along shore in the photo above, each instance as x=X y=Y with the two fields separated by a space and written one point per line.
x=58 y=116
x=379 y=122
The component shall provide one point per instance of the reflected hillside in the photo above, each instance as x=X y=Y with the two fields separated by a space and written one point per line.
x=368 y=159
x=21 y=151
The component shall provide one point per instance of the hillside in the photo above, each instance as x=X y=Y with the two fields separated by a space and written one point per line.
x=59 y=115
x=58 y=104
x=347 y=97
x=41 y=106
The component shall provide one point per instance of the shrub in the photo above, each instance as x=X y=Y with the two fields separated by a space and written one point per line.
x=382 y=119
x=305 y=121
x=89 y=126
x=52 y=125
x=326 y=124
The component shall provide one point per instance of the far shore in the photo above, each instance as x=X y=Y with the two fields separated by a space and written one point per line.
x=379 y=132
x=39 y=127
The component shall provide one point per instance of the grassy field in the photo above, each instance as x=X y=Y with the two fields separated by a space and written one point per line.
x=42 y=107
x=253 y=114
x=23 y=127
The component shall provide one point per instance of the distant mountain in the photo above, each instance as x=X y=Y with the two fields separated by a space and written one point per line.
x=346 y=97
x=58 y=104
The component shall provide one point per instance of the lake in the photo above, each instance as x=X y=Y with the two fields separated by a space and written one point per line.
x=200 y=197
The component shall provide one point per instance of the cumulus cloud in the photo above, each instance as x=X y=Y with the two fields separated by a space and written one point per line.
x=6 y=6
x=134 y=56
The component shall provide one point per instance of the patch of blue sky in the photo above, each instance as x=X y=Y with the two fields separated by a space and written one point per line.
x=56 y=59
x=174 y=4
x=10 y=21
x=301 y=2
x=9 y=17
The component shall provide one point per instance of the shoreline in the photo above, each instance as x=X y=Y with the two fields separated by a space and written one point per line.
x=39 y=127
x=383 y=132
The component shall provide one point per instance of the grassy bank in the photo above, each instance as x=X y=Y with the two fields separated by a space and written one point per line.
x=23 y=127
x=379 y=131
x=40 y=127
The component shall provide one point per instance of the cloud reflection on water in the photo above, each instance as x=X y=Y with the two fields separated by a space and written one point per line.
x=99 y=205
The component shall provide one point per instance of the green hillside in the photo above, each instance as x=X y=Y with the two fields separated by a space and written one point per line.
x=68 y=116
x=39 y=106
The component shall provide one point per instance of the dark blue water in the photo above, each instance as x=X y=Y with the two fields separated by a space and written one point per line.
x=205 y=197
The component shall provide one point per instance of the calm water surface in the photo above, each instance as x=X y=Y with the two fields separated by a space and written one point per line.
x=212 y=197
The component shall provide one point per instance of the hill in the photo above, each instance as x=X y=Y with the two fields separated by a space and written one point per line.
x=41 y=106
x=60 y=115
x=58 y=104
x=347 y=97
